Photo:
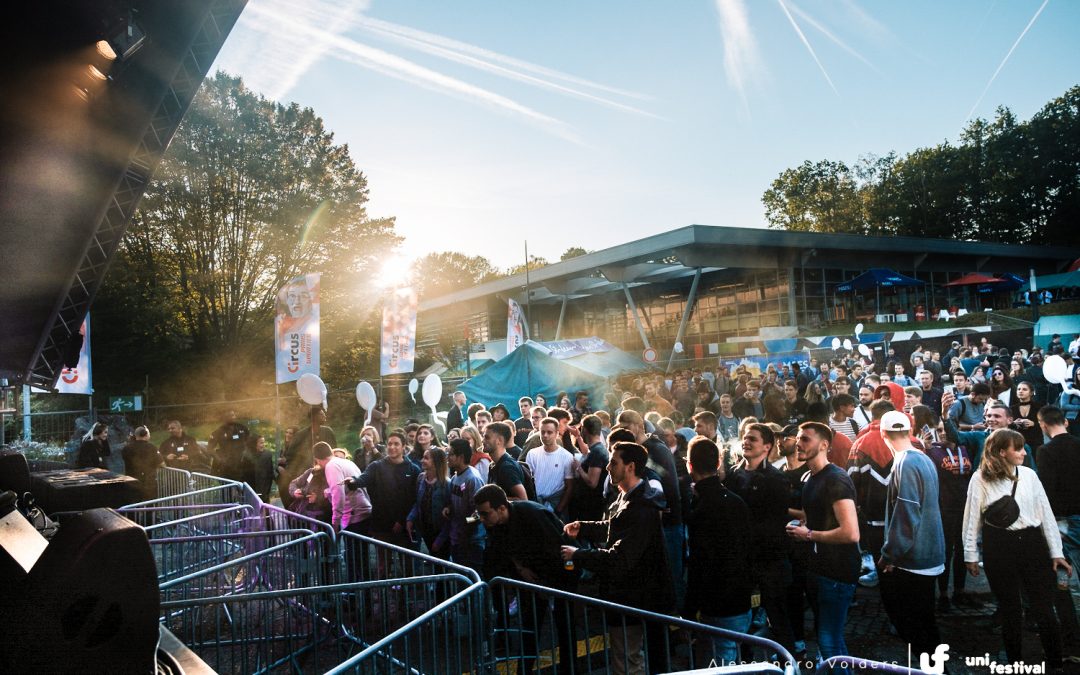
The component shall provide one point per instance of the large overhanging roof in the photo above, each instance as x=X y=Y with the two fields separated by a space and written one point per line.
x=78 y=146
x=679 y=253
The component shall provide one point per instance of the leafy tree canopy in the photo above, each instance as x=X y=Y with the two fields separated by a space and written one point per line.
x=1005 y=181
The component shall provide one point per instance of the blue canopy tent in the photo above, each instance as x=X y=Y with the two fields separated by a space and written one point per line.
x=877 y=278
x=550 y=367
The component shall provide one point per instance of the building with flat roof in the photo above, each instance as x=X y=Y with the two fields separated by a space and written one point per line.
x=737 y=283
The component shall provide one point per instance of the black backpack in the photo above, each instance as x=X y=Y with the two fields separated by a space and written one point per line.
x=528 y=480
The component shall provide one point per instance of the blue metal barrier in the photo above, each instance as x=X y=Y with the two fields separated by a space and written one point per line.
x=536 y=626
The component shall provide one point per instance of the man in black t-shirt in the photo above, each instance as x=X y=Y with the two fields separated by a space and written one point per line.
x=182 y=451
x=505 y=471
x=831 y=525
x=226 y=446
x=1059 y=470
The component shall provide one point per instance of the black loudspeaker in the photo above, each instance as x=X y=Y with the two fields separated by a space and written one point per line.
x=14 y=473
x=89 y=604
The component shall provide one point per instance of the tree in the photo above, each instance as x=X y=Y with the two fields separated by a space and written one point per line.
x=1006 y=181
x=250 y=194
x=572 y=252
x=436 y=274
x=817 y=196
x=535 y=263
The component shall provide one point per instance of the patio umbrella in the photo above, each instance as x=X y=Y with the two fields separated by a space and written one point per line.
x=876 y=278
x=974 y=279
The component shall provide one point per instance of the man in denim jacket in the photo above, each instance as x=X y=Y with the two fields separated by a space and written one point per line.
x=913 y=554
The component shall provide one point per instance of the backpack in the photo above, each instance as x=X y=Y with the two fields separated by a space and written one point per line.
x=528 y=480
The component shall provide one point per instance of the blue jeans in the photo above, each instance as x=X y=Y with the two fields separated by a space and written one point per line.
x=675 y=544
x=830 y=600
x=1070 y=544
x=725 y=652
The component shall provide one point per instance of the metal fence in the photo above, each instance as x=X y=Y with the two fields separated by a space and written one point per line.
x=539 y=627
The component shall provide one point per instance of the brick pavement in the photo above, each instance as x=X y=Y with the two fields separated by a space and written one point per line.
x=968 y=632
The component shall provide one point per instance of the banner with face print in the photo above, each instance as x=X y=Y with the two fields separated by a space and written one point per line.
x=515 y=326
x=296 y=329
x=399 y=333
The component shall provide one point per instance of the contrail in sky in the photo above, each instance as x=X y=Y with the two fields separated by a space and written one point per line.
x=806 y=42
x=349 y=50
x=1006 y=59
x=491 y=62
x=386 y=27
x=740 y=49
x=827 y=33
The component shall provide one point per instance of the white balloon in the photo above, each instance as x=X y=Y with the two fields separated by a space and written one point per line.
x=1055 y=370
x=858 y=329
x=835 y=344
x=414 y=384
x=678 y=348
x=365 y=396
x=311 y=389
x=432 y=390
x=847 y=345
x=864 y=350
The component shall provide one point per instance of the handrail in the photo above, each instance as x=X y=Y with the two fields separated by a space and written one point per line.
x=198 y=516
x=232 y=535
x=377 y=646
x=236 y=561
x=320 y=526
x=465 y=571
x=310 y=590
x=783 y=654
x=150 y=502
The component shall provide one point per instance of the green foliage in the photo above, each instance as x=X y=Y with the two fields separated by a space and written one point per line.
x=535 y=263
x=1006 y=181
x=572 y=252
x=250 y=194
x=437 y=274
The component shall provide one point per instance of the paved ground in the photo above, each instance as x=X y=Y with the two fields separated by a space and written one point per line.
x=968 y=632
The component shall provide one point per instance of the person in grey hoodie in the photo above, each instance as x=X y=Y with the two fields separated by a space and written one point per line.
x=913 y=554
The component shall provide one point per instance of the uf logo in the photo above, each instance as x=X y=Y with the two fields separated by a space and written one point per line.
x=940 y=656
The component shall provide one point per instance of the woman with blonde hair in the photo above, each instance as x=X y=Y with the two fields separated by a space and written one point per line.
x=371 y=447
x=1007 y=506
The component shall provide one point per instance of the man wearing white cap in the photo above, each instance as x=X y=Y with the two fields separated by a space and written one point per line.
x=913 y=554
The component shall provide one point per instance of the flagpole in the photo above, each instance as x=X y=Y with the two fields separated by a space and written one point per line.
x=528 y=318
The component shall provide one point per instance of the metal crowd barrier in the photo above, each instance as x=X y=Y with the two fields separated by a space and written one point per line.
x=171 y=482
x=536 y=626
x=311 y=630
x=281 y=566
x=191 y=521
x=181 y=556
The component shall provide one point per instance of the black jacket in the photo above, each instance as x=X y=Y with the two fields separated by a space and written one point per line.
x=531 y=538
x=92 y=453
x=767 y=494
x=718 y=578
x=392 y=489
x=454 y=419
x=633 y=569
x=662 y=461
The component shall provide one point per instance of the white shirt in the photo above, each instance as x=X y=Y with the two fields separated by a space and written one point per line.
x=549 y=469
x=862 y=417
x=1035 y=510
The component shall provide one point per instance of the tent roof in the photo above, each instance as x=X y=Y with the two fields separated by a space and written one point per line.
x=876 y=277
x=1064 y=325
x=1063 y=280
x=975 y=278
x=550 y=367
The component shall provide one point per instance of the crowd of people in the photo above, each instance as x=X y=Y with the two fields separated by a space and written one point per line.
x=689 y=494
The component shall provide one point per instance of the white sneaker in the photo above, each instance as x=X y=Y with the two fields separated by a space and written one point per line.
x=867 y=563
x=869 y=579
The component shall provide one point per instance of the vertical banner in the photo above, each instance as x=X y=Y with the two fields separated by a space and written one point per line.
x=296 y=329
x=77 y=380
x=515 y=326
x=399 y=333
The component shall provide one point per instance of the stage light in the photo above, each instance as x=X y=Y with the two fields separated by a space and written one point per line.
x=127 y=40
x=106 y=50
x=95 y=73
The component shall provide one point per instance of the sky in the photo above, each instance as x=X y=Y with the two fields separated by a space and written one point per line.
x=483 y=125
